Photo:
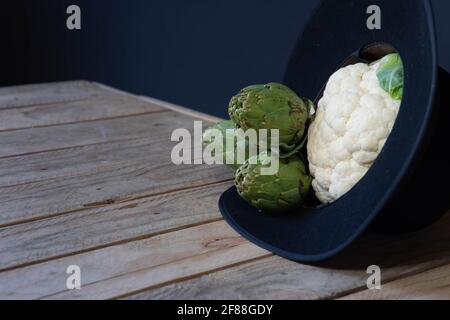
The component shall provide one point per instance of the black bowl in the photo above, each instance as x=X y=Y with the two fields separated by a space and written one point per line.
x=401 y=191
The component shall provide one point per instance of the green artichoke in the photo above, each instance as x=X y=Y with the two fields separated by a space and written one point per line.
x=240 y=143
x=272 y=106
x=283 y=191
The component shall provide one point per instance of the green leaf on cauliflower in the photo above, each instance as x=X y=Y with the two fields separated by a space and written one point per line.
x=390 y=75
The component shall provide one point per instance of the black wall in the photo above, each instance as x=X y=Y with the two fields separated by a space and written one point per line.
x=196 y=53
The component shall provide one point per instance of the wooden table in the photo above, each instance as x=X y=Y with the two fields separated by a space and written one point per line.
x=86 y=180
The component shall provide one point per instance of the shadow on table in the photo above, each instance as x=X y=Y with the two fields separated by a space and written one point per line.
x=431 y=243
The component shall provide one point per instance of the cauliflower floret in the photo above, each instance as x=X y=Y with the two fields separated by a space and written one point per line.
x=353 y=120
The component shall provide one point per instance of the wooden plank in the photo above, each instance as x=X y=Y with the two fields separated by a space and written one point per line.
x=180 y=109
x=92 y=160
x=76 y=161
x=97 y=107
x=113 y=182
x=114 y=271
x=431 y=285
x=89 y=169
x=277 y=278
x=164 y=104
x=92 y=228
x=20 y=142
x=46 y=93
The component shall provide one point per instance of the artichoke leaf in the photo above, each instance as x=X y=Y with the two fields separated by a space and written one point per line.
x=240 y=144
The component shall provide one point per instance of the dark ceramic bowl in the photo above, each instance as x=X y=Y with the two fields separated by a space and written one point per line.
x=401 y=191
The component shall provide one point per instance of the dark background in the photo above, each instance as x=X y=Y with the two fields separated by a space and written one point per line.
x=196 y=53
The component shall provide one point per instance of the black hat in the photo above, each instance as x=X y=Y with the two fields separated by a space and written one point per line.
x=401 y=191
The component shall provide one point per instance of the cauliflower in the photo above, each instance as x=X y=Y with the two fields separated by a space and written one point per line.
x=354 y=119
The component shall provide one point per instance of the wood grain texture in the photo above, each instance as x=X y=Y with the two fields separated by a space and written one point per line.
x=116 y=270
x=182 y=110
x=277 y=278
x=106 y=225
x=101 y=106
x=76 y=161
x=112 y=185
x=164 y=104
x=430 y=285
x=86 y=179
x=93 y=175
x=46 y=93
x=21 y=142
